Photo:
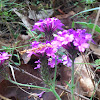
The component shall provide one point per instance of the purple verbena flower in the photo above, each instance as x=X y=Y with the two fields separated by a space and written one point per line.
x=51 y=62
x=48 y=26
x=81 y=41
x=3 y=56
x=41 y=48
x=66 y=61
x=71 y=39
x=41 y=94
x=38 y=64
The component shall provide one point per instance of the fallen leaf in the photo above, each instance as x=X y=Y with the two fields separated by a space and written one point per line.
x=84 y=71
x=95 y=48
x=71 y=13
x=41 y=14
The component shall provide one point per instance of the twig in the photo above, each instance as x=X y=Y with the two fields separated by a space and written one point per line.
x=3 y=98
x=96 y=20
x=23 y=71
x=66 y=90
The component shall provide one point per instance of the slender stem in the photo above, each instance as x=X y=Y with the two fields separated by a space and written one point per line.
x=54 y=79
x=26 y=85
x=72 y=80
x=55 y=93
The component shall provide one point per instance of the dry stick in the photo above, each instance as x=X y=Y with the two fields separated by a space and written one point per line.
x=58 y=86
x=23 y=71
x=3 y=98
x=66 y=90
x=87 y=68
x=96 y=20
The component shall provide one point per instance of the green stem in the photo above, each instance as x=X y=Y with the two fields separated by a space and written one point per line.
x=72 y=80
x=54 y=80
x=55 y=93
x=26 y=85
x=9 y=48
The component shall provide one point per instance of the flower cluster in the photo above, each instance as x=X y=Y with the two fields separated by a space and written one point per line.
x=3 y=57
x=48 y=26
x=40 y=49
x=73 y=41
x=78 y=39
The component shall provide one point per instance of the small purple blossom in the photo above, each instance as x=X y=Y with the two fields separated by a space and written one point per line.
x=51 y=62
x=38 y=64
x=35 y=43
x=41 y=48
x=71 y=39
x=48 y=26
x=41 y=94
x=3 y=56
x=64 y=38
x=66 y=61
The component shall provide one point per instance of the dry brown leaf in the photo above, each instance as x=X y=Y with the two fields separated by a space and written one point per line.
x=24 y=18
x=65 y=15
x=61 y=11
x=41 y=14
x=95 y=48
x=23 y=41
x=86 y=84
x=7 y=89
x=26 y=21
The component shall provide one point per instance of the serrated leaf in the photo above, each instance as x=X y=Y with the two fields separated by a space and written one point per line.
x=90 y=25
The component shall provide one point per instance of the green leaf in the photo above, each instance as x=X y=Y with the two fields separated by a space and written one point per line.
x=16 y=55
x=34 y=32
x=16 y=63
x=97 y=61
x=73 y=24
x=98 y=68
x=90 y=25
x=89 y=1
x=2 y=4
x=97 y=8
x=4 y=47
x=39 y=36
x=5 y=13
